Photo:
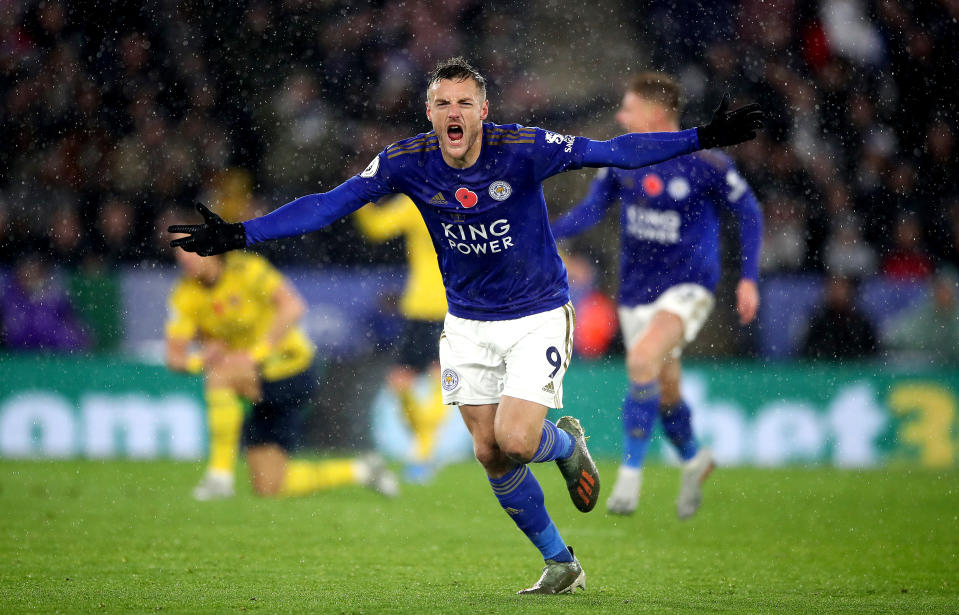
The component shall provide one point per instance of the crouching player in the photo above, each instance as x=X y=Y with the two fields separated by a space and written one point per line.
x=243 y=315
x=669 y=268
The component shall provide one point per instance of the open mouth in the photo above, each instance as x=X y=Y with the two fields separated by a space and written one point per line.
x=454 y=132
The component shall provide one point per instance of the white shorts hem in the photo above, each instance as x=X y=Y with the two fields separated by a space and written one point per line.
x=542 y=398
x=454 y=400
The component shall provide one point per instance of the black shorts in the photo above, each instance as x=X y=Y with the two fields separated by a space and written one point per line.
x=419 y=344
x=278 y=418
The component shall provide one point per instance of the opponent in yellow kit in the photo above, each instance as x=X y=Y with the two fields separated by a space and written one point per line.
x=242 y=316
x=423 y=307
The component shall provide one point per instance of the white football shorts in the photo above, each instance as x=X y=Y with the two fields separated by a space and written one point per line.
x=524 y=358
x=691 y=302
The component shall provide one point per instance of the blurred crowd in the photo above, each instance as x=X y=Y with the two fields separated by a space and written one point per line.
x=856 y=166
x=115 y=113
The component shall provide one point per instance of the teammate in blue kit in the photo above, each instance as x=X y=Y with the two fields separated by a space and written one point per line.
x=668 y=272
x=507 y=338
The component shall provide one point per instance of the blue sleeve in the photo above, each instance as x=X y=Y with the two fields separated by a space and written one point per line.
x=601 y=196
x=314 y=211
x=741 y=201
x=636 y=150
x=555 y=153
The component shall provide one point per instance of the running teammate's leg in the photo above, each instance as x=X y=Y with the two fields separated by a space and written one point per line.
x=676 y=418
x=644 y=360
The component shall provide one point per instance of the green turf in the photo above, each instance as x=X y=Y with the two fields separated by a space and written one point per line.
x=124 y=537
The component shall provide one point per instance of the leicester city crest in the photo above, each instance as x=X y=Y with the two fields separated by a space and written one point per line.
x=451 y=379
x=500 y=190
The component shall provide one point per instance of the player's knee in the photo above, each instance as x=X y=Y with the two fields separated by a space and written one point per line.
x=519 y=455
x=489 y=455
x=517 y=449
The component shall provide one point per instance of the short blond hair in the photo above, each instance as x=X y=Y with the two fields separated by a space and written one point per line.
x=659 y=88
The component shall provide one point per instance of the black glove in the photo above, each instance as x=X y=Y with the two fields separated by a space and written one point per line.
x=730 y=127
x=215 y=236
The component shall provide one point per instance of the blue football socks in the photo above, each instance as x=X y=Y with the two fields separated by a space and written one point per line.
x=521 y=497
x=554 y=444
x=678 y=427
x=640 y=409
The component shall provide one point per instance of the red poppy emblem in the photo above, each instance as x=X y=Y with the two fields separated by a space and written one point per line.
x=466 y=197
x=653 y=185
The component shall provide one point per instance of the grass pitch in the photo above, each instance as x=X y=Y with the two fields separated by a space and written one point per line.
x=125 y=537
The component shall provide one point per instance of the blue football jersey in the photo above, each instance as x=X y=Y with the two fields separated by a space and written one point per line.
x=488 y=222
x=669 y=221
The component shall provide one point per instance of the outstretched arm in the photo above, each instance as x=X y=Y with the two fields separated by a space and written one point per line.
x=305 y=214
x=640 y=149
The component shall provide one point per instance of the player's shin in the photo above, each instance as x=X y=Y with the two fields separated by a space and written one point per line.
x=521 y=496
x=639 y=415
x=425 y=418
x=225 y=411
x=677 y=425
x=224 y=419
x=640 y=409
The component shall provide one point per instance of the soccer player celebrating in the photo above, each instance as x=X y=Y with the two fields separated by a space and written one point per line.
x=244 y=316
x=668 y=273
x=506 y=341
x=424 y=307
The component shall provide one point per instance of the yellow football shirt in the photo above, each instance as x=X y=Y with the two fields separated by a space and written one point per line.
x=238 y=310
x=424 y=297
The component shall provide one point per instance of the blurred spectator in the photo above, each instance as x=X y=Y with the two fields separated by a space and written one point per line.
x=949 y=227
x=9 y=244
x=930 y=330
x=846 y=253
x=301 y=131
x=838 y=330
x=596 y=318
x=117 y=225
x=850 y=33
x=35 y=310
x=907 y=260
x=784 y=234
x=68 y=245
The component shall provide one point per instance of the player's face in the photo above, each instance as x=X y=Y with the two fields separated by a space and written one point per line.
x=457 y=110
x=636 y=114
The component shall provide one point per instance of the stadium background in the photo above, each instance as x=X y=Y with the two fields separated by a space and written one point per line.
x=112 y=116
